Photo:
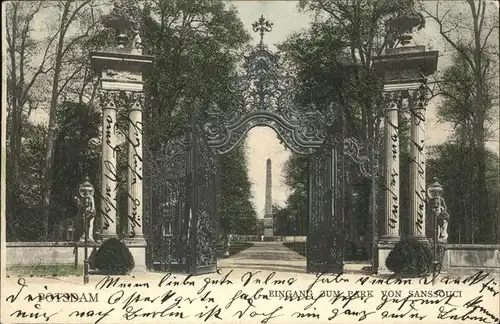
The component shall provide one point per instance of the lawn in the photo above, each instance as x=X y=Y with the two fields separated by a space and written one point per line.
x=45 y=270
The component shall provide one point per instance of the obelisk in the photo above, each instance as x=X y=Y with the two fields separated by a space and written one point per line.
x=268 y=209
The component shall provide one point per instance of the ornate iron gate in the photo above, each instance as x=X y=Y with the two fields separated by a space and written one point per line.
x=326 y=239
x=168 y=212
x=181 y=213
x=202 y=205
x=183 y=224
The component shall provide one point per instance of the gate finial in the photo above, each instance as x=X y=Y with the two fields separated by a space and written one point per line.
x=262 y=26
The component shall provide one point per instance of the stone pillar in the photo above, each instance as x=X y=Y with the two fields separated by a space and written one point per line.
x=109 y=100
x=390 y=222
x=134 y=176
x=418 y=193
x=121 y=66
x=402 y=69
x=268 y=210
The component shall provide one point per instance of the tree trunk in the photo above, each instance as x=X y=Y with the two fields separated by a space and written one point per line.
x=484 y=219
x=14 y=123
x=51 y=131
x=483 y=212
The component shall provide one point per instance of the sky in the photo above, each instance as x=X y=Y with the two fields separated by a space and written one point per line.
x=262 y=141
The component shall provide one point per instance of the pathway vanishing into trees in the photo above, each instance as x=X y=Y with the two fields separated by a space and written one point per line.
x=274 y=256
x=271 y=256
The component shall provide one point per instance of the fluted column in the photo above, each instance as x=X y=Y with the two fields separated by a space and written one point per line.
x=417 y=165
x=391 y=169
x=109 y=178
x=134 y=177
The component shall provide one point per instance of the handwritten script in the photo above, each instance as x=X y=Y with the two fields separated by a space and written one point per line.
x=253 y=296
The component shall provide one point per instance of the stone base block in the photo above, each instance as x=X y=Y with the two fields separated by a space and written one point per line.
x=445 y=264
x=268 y=232
x=138 y=249
x=420 y=238
x=383 y=250
x=470 y=258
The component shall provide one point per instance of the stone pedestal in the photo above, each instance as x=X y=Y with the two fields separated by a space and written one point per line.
x=383 y=250
x=137 y=248
x=268 y=226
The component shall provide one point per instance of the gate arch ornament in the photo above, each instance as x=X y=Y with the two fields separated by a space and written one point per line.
x=264 y=96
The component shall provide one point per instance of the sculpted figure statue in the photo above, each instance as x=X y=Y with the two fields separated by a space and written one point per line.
x=443 y=220
x=136 y=42
x=86 y=209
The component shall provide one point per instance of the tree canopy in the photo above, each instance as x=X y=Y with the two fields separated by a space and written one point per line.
x=196 y=45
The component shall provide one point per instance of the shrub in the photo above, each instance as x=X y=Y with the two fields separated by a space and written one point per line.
x=410 y=257
x=114 y=258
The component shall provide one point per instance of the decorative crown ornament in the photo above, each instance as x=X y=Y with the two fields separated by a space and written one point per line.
x=402 y=26
x=262 y=26
x=122 y=20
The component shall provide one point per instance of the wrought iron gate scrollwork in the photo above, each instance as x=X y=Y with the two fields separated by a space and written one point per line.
x=326 y=239
x=364 y=162
x=265 y=96
x=166 y=180
x=202 y=238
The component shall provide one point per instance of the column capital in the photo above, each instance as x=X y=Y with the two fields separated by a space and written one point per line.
x=417 y=98
x=392 y=96
x=109 y=99
x=135 y=100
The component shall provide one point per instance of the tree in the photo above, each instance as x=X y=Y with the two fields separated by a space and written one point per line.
x=296 y=206
x=237 y=213
x=468 y=86
x=28 y=223
x=333 y=63
x=197 y=45
x=73 y=161
x=69 y=49
x=283 y=221
x=450 y=163
x=77 y=154
x=24 y=68
x=458 y=108
x=352 y=31
x=41 y=71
